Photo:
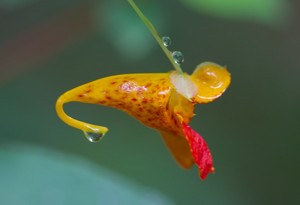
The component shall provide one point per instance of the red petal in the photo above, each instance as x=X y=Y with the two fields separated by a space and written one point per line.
x=200 y=151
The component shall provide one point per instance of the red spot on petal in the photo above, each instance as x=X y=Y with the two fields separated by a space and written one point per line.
x=134 y=99
x=151 y=119
x=148 y=85
x=200 y=151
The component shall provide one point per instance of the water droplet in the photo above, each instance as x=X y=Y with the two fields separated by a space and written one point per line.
x=166 y=41
x=178 y=57
x=93 y=136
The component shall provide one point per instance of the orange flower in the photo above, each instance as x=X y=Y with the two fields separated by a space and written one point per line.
x=163 y=101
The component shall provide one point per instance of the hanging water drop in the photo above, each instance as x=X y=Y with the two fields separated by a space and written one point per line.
x=178 y=57
x=93 y=136
x=166 y=41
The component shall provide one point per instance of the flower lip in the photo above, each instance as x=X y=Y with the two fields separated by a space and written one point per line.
x=184 y=85
x=212 y=80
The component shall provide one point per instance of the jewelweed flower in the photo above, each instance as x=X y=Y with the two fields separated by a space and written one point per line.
x=163 y=101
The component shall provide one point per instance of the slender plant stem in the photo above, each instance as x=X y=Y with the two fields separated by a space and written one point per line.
x=155 y=35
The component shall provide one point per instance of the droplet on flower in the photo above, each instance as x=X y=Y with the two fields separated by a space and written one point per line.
x=166 y=41
x=178 y=57
x=93 y=136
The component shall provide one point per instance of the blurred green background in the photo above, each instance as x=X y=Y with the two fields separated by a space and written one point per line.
x=48 y=47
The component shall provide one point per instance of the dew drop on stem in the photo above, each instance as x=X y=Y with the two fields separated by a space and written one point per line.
x=178 y=57
x=166 y=41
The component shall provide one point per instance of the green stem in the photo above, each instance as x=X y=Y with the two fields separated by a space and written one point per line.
x=155 y=35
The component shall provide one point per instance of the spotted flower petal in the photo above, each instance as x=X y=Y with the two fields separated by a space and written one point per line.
x=162 y=101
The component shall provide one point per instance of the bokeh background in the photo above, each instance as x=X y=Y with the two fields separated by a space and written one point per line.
x=50 y=46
